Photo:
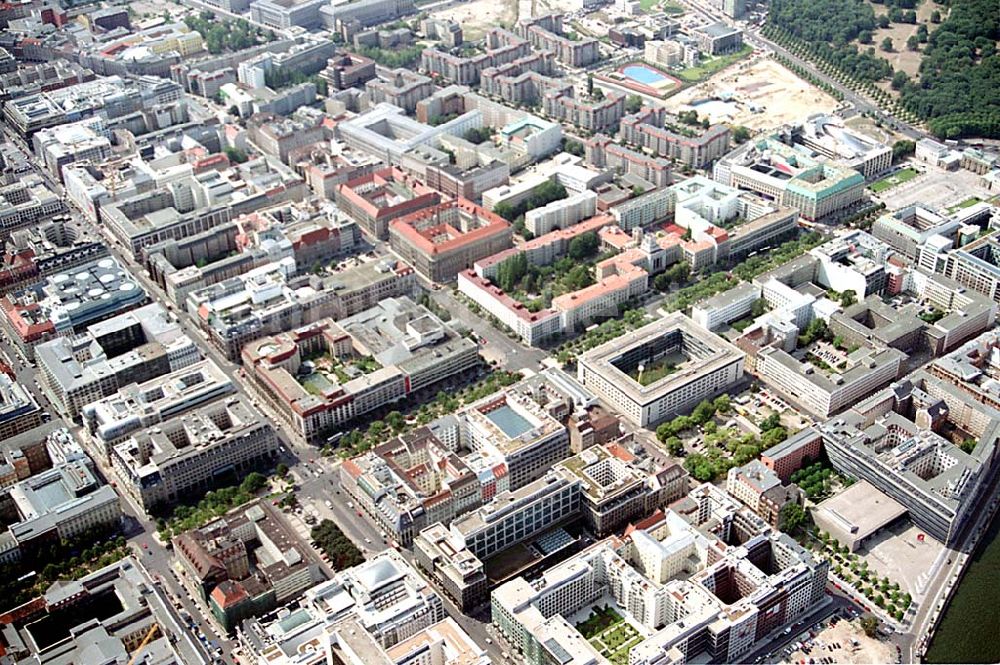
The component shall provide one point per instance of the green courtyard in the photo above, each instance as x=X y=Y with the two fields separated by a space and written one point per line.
x=609 y=633
x=894 y=180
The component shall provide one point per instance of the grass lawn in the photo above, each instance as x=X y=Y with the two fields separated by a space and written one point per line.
x=967 y=203
x=600 y=619
x=895 y=179
x=706 y=69
x=649 y=6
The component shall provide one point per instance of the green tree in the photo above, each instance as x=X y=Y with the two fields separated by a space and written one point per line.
x=886 y=45
x=703 y=412
x=903 y=148
x=674 y=446
x=253 y=483
x=865 y=37
x=721 y=404
x=396 y=421
x=236 y=155
x=583 y=246
x=758 y=308
x=912 y=44
x=848 y=298
x=741 y=134
x=899 y=80
x=633 y=103
x=935 y=16
x=791 y=518
x=281 y=470
x=773 y=421
x=869 y=624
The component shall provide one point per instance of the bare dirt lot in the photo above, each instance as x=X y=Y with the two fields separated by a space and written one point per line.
x=765 y=95
x=478 y=16
x=844 y=633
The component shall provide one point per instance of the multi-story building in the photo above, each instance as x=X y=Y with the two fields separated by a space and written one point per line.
x=58 y=146
x=362 y=363
x=830 y=137
x=976 y=266
x=502 y=47
x=791 y=176
x=412 y=481
x=19 y=412
x=63 y=503
x=908 y=229
x=400 y=87
x=594 y=115
x=348 y=70
x=561 y=214
x=138 y=615
x=661 y=369
x=455 y=570
x=603 y=152
x=761 y=490
x=651 y=129
x=130 y=348
x=718 y=38
x=279 y=136
x=674 y=576
x=246 y=563
x=544 y=33
x=526 y=437
x=384 y=596
x=824 y=392
x=896 y=440
x=794 y=453
x=284 y=14
x=365 y=12
x=137 y=406
x=517 y=515
x=644 y=210
x=617 y=488
x=531 y=327
x=192 y=453
x=45 y=249
x=67 y=302
x=726 y=307
x=375 y=199
x=441 y=241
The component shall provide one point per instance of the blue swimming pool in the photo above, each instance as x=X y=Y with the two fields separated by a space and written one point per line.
x=643 y=74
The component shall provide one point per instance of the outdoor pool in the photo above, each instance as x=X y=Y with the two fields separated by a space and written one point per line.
x=643 y=74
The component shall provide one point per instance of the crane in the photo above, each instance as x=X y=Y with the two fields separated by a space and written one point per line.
x=142 y=645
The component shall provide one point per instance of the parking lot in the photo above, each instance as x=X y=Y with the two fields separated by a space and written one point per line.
x=840 y=642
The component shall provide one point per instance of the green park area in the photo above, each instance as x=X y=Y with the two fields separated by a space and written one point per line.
x=707 y=68
x=896 y=179
x=967 y=203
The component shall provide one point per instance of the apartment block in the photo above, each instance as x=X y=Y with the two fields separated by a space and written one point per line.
x=651 y=130
x=545 y=33
x=603 y=152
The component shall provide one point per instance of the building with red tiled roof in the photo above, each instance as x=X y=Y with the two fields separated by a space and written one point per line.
x=375 y=199
x=441 y=241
